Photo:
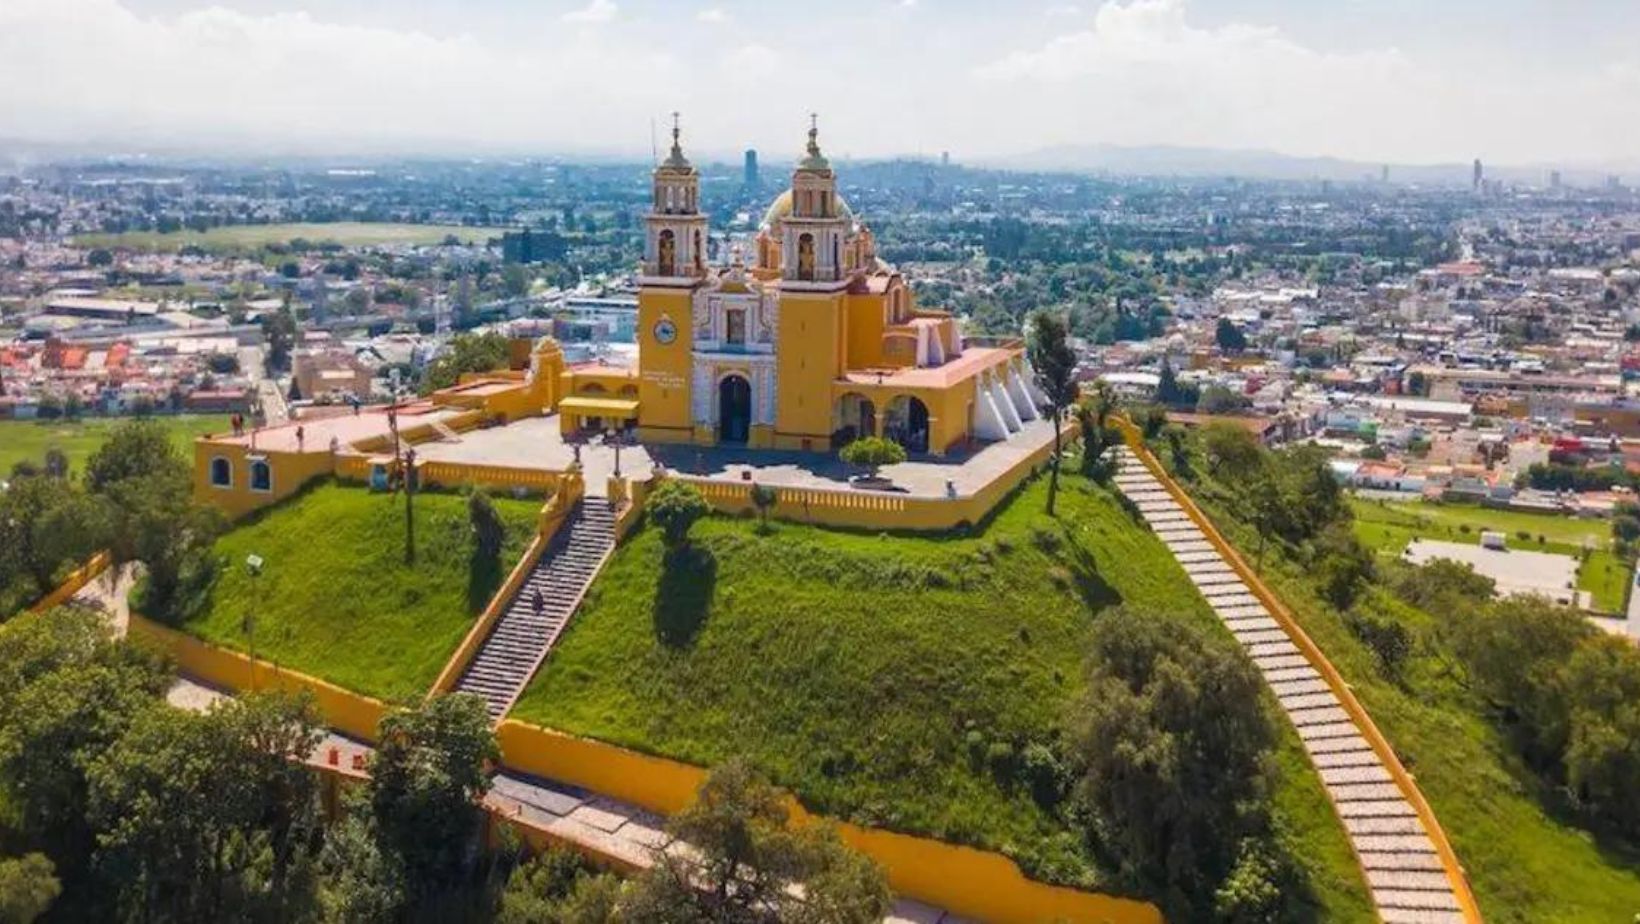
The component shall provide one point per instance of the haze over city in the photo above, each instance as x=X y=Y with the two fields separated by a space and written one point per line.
x=1396 y=82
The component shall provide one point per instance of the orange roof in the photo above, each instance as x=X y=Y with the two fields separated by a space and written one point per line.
x=969 y=363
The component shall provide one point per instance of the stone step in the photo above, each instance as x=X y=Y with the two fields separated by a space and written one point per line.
x=1328 y=712
x=1424 y=861
x=1309 y=700
x=1385 y=825
x=1277 y=662
x=1420 y=916
x=1415 y=844
x=1258 y=636
x=1409 y=881
x=1323 y=730
x=1362 y=757
x=1354 y=775
x=1286 y=674
x=1365 y=792
x=1302 y=687
x=1338 y=745
x=1383 y=808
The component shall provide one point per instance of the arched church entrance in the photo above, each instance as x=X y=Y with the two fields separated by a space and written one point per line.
x=734 y=409
x=907 y=423
x=856 y=417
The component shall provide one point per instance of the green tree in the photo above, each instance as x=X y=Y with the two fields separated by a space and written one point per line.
x=764 y=498
x=429 y=773
x=1229 y=337
x=1172 y=741
x=465 y=353
x=489 y=533
x=133 y=449
x=1053 y=359
x=28 y=886
x=674 y=506
x=872 y=453
x=1231 y=450
x=46 y=526
x=536 y=892
x=68 y=693
x=749 y=860
x=165 y=850
x=279 y=333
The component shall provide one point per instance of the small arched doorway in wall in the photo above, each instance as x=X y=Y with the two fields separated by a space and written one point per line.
x=734 y=409
x=906 y=423
x=856 y=417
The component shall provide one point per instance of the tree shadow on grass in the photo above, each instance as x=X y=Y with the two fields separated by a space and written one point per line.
x=1095 y=591
x=683 y=594
x=483 y=579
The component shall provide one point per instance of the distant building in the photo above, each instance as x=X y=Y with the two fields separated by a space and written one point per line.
x=751 y=178
x=1554 y=179
x=945 y=158
x=532 y=246
x=1478 y=176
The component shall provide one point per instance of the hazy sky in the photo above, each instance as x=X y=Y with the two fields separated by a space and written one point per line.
x=1379 y=80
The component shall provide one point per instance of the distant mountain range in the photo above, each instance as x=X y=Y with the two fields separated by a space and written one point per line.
x=1167 y=160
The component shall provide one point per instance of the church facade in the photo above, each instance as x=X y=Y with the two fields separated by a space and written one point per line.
x=814 y=342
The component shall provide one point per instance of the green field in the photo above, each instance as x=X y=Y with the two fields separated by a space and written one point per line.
x=28 y=439
x=873 y=673
x=1387 y=526
x=250 y=237
x=335 y=598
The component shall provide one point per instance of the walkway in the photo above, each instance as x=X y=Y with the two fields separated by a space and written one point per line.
x=521 y=638
x=1409 y=885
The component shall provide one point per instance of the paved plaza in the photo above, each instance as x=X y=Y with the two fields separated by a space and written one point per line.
x=536 y=443
x=1516 y=571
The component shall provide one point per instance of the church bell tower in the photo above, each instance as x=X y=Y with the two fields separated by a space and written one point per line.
x=675 y=238
x=815 y=232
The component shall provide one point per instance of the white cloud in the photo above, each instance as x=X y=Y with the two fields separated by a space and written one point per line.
x=713 y=14
x=1140 y=72
x=596 y=11
x=980 y=83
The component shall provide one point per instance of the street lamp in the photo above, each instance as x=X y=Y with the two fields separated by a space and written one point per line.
x=613 y=437
x=253 y=566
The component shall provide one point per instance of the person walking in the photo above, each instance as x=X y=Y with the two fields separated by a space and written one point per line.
x=538 y=602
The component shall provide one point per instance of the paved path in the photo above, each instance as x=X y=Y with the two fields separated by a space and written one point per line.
x=110 y=592
x=1398 y=859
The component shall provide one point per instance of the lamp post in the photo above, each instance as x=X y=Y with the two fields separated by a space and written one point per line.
x=614 y=437
x=253 y=566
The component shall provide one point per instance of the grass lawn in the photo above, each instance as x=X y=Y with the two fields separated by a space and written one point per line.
x=249 y=237
x=1526 y=861
x=336 y=599
x=1388 y=526
x=29 y=439
x=871 y=672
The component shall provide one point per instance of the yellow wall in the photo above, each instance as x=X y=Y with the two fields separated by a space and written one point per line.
x=962 y=880
x=865 y=331
x=341 y=709
x=808 y=359
x=291 y=470
x=665 y=369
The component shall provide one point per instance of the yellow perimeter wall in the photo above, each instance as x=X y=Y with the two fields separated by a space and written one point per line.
x=75 y=582
x=967 y=882
x=343 y=710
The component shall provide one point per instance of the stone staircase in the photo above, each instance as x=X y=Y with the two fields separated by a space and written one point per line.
x=1404 y=873
x=521 y=638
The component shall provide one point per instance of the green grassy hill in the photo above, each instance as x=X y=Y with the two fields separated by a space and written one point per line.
x=335 y=598
x=890 y=679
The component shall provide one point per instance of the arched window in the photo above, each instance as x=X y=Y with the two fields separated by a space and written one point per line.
x=700 y=251
x=221 y=473
x=825 y=203
x=667 y=254
x=805 y=257
x=261 y=475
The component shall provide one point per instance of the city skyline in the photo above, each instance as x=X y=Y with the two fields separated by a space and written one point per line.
x=1518 y=83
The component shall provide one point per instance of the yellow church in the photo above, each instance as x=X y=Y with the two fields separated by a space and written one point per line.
x=816 y=342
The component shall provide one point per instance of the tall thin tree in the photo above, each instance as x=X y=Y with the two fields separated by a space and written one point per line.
x=1053 y=359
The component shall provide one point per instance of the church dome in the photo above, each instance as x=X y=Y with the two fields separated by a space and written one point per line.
x=782 y=207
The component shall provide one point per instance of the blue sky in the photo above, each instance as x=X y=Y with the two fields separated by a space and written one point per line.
x=1512 y=81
